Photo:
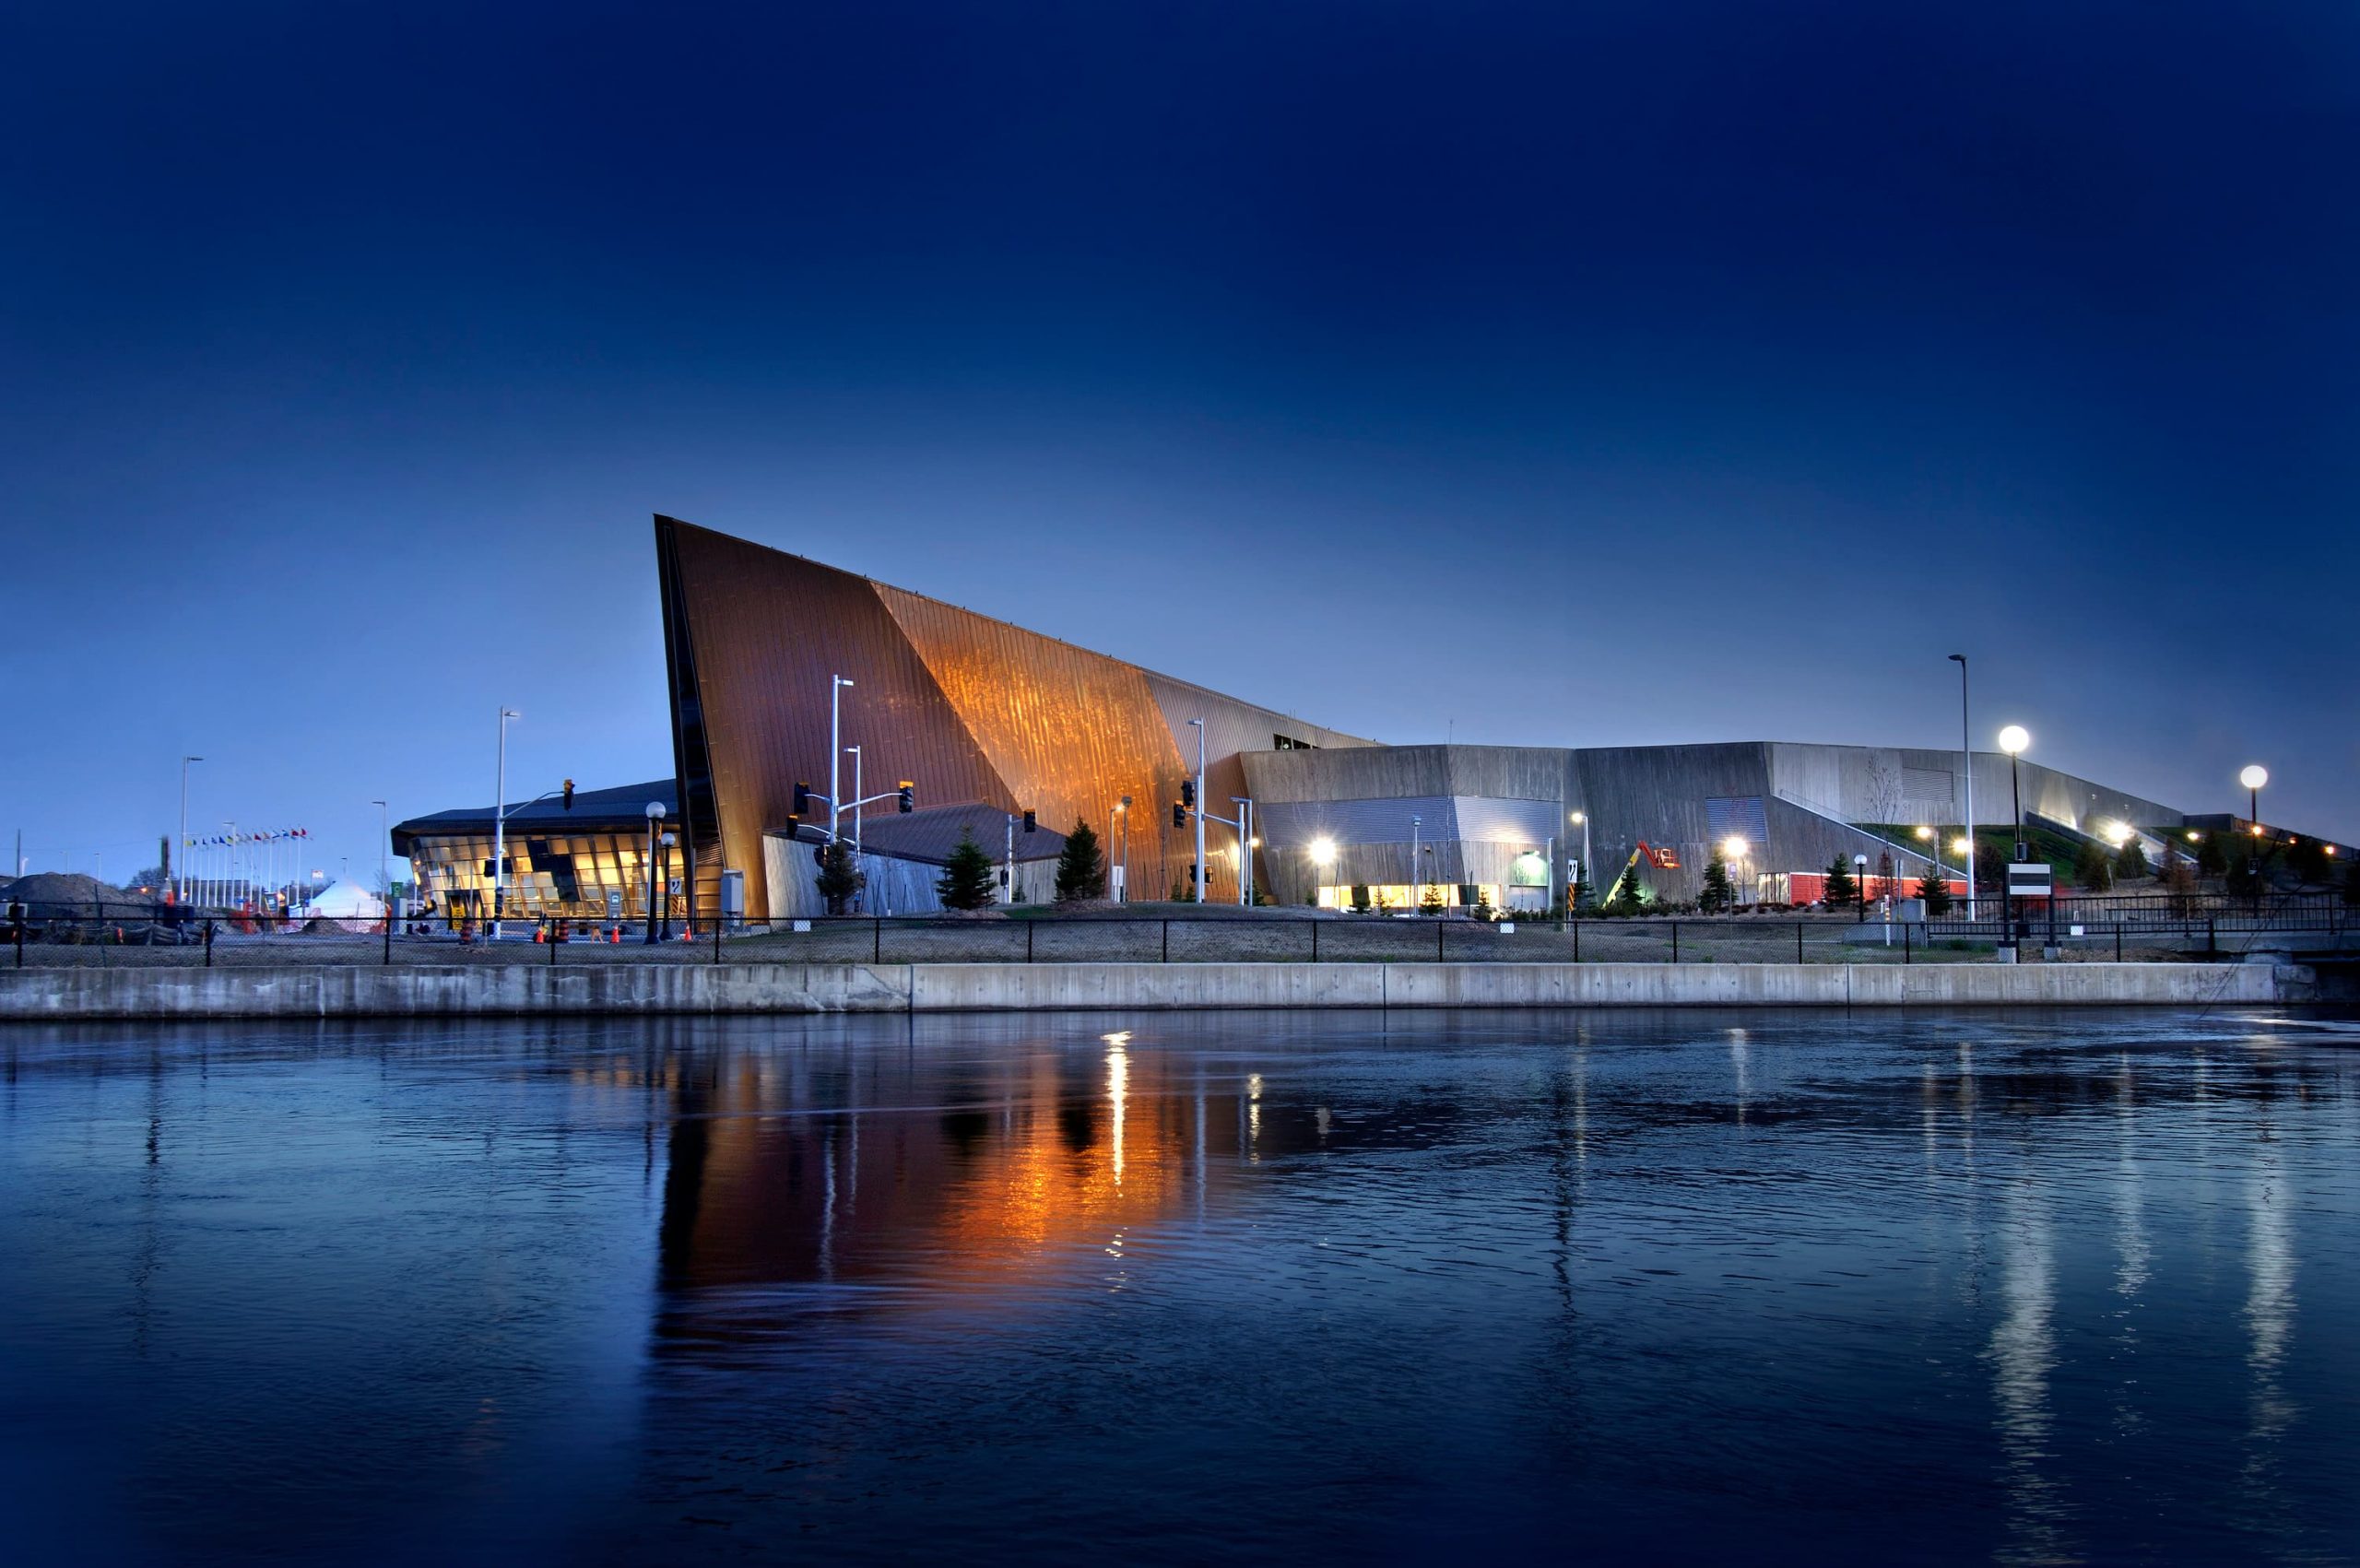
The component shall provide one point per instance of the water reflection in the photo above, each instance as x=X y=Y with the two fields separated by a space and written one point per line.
x=1270 y=1289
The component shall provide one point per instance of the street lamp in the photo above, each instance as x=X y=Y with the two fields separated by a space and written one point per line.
x=1415 y=864
x=1734 y=849
x=836 y=685
x=1323 y=855
x=654 y=825
x=1861 y=883
x=1967 y=763
x=2014 y=740
x=2254 y=776
x=1123 y=881
x=180 y=865
x=500 y=825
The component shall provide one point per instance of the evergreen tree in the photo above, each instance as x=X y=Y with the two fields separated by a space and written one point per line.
x=2130 y=860
x=1842 y=891
x=2093 y=869
x=2209 y=861
x=966 y=880
x=1935 y=889
x=1081 y=870
x=1431 y=901
x=841 y=877
x=1581 y=892
x=1631 y=891
x=1360 y=898
x=1719 y=891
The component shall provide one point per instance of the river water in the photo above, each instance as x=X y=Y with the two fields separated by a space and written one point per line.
x=1778 y=1286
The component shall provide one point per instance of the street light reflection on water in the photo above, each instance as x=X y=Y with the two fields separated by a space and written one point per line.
x=1280 y=1288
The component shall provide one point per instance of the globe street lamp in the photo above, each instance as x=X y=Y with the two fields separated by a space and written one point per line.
x=2253 y=778
x=2014 y=740
x=654 y=825
x=1581 y=820
x=1734 y=849
x=1861 y=884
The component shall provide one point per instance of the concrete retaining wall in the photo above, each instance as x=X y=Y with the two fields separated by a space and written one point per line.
x=422 y=991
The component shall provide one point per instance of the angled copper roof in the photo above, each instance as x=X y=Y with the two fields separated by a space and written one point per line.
x=971 y=709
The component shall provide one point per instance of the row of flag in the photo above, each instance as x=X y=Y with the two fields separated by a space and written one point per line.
x=273 y=836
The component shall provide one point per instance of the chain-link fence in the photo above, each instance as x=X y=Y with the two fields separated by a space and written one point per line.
x=150 y=935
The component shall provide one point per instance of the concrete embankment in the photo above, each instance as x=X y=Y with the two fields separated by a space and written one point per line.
x=404 y=991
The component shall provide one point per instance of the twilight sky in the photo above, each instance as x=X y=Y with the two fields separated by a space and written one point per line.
x=1559 y=373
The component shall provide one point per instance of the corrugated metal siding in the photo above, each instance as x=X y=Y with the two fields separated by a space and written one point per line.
x=1737 y=816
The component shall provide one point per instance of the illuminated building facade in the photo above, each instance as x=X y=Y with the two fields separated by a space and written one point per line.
x=971 y=709
x=586 y=862
x=989 y=721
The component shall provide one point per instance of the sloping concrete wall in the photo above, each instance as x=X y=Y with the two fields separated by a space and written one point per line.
x=430 y=992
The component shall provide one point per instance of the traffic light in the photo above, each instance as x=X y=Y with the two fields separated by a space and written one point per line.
x=1179 y=815
x=1187 y=792
x=1029 y=823
x=569 y=795
x=802 y=799
x=908 y=799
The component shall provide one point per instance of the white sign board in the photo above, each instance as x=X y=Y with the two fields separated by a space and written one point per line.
x=2029 y=879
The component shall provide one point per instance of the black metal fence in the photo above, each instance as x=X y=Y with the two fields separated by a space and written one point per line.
x=147 y=935
x=2208 y=922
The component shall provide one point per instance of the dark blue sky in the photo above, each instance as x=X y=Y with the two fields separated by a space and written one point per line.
x=1562 y=373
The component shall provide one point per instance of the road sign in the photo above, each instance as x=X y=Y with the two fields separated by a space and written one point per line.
x=2029 y=879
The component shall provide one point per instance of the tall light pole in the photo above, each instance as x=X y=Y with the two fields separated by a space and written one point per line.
x=499 y=826
x=1416 y=866
x=1200 y=809
x=1967 y=767
x=836 y=685
x=180 y=849
x=1246 y=842
x=1734 y=850
x=654 y=826
x=2014 y=740
x=1123 y=883
x=2253 y=778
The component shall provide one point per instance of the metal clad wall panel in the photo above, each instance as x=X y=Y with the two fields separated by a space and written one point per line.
x=769 y=628
x=972 y=708
x=1525 y=823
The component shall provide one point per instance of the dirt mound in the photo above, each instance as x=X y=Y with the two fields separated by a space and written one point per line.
x=66 y=890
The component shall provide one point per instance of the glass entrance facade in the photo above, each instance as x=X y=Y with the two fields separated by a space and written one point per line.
x=586 y=876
